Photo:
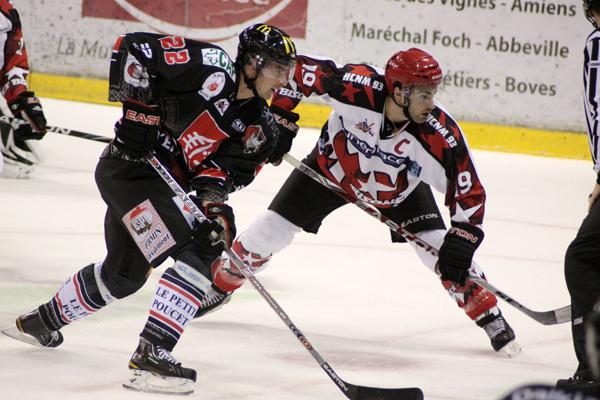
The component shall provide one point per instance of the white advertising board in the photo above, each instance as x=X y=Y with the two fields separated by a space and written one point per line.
x=510 y=62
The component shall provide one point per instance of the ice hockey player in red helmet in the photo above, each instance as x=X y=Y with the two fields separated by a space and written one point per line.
x=206 y=117
x=387 y=142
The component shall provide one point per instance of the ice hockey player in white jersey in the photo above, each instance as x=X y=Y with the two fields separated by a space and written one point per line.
x=19 y=150
x=386 y=143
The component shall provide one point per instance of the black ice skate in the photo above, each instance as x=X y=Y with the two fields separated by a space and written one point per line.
x=153 y=369
x=501 y=334
x=30 y=328
x=581 y=382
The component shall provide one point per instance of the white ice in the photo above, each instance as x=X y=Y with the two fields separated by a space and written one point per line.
x=370 y=308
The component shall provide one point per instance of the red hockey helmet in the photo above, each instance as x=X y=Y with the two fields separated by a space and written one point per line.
x=412 y=67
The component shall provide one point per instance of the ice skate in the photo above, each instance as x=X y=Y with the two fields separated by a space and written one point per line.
x=30 y=328
x=154 y=370
x=582 y=382
x=501 y=335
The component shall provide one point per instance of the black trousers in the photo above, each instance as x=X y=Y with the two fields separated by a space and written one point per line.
x=306 y=203
x=582 y=274
x=143 y=226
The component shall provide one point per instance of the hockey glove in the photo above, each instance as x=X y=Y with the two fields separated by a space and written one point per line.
x=285 y=134
x=456 y=254
x=223 y=215
x=137 y=132
x=28 y=107
x=215 y=234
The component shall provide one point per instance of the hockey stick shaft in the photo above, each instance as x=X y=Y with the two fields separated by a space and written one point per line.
x=351 y=391
x=557 y=316
x=61 y=131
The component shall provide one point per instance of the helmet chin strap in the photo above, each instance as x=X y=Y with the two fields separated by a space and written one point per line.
x=404 y=107
x=247 y=80
x=250 y=82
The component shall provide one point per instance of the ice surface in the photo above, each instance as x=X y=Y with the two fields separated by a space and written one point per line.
x=372 y=310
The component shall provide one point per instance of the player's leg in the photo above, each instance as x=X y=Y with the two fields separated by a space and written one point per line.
x=301 y=203
x=582 y=274
x=126 y=266
x=420 y=215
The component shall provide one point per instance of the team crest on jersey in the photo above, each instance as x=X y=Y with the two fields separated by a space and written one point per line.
x=365 y=127
x=134 y=73
x=253 y=139
x=213 y=85
x=148 y=230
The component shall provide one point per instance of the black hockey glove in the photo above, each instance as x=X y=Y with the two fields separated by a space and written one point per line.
x=220 y=221
x=286 y=132
x=137 y=132
x=456 y=254
x=28 y=107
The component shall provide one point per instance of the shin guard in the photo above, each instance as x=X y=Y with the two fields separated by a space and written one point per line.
x=182 y=293
x=81 y=295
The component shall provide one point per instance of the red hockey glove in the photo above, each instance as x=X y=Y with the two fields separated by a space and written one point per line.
x=456 y=254
x=137 y=132
x=286 y=132
x=28 y=107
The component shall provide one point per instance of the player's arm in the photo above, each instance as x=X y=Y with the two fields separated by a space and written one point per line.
x=457 y=177
x=592 y=106
x=22 y=102
x=312 y=75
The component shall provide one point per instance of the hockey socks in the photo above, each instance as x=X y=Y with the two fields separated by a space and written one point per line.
x=81 y=295
x=182 y=293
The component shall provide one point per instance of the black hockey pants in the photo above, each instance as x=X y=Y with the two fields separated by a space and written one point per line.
x=582 y=274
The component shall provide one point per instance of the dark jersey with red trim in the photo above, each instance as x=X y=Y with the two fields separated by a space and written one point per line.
x=368 y=157
x=13 y=62
x=217 y=138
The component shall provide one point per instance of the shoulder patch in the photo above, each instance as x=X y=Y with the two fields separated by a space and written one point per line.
x=213 y=85
x=218 y=58
x=135 y=74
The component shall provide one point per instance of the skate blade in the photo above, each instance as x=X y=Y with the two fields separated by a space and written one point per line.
x=512 y=349
x=144 y=381
x=14 y=332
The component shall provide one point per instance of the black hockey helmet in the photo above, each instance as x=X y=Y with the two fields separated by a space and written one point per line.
x=265 y=43
x=588 y=7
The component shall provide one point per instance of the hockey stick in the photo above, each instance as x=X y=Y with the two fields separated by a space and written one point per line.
x=558 y=316
x=351 y=391
x=62 y=131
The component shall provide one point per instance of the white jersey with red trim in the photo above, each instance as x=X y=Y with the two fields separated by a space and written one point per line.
x=368 y=157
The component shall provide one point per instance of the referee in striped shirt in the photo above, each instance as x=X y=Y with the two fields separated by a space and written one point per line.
x=582 y=260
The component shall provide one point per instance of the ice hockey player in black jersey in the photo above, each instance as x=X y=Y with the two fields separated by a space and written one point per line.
x=386 y=143
x=206 y=118
x=582 y=259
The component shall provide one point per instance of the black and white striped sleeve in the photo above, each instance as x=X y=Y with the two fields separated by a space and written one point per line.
x=591 y=82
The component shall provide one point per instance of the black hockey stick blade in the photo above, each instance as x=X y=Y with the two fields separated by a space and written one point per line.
x=357 y=392
x=370 y=393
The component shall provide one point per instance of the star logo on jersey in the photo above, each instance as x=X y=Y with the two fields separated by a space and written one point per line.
x=465 y=215
x=372 y=186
